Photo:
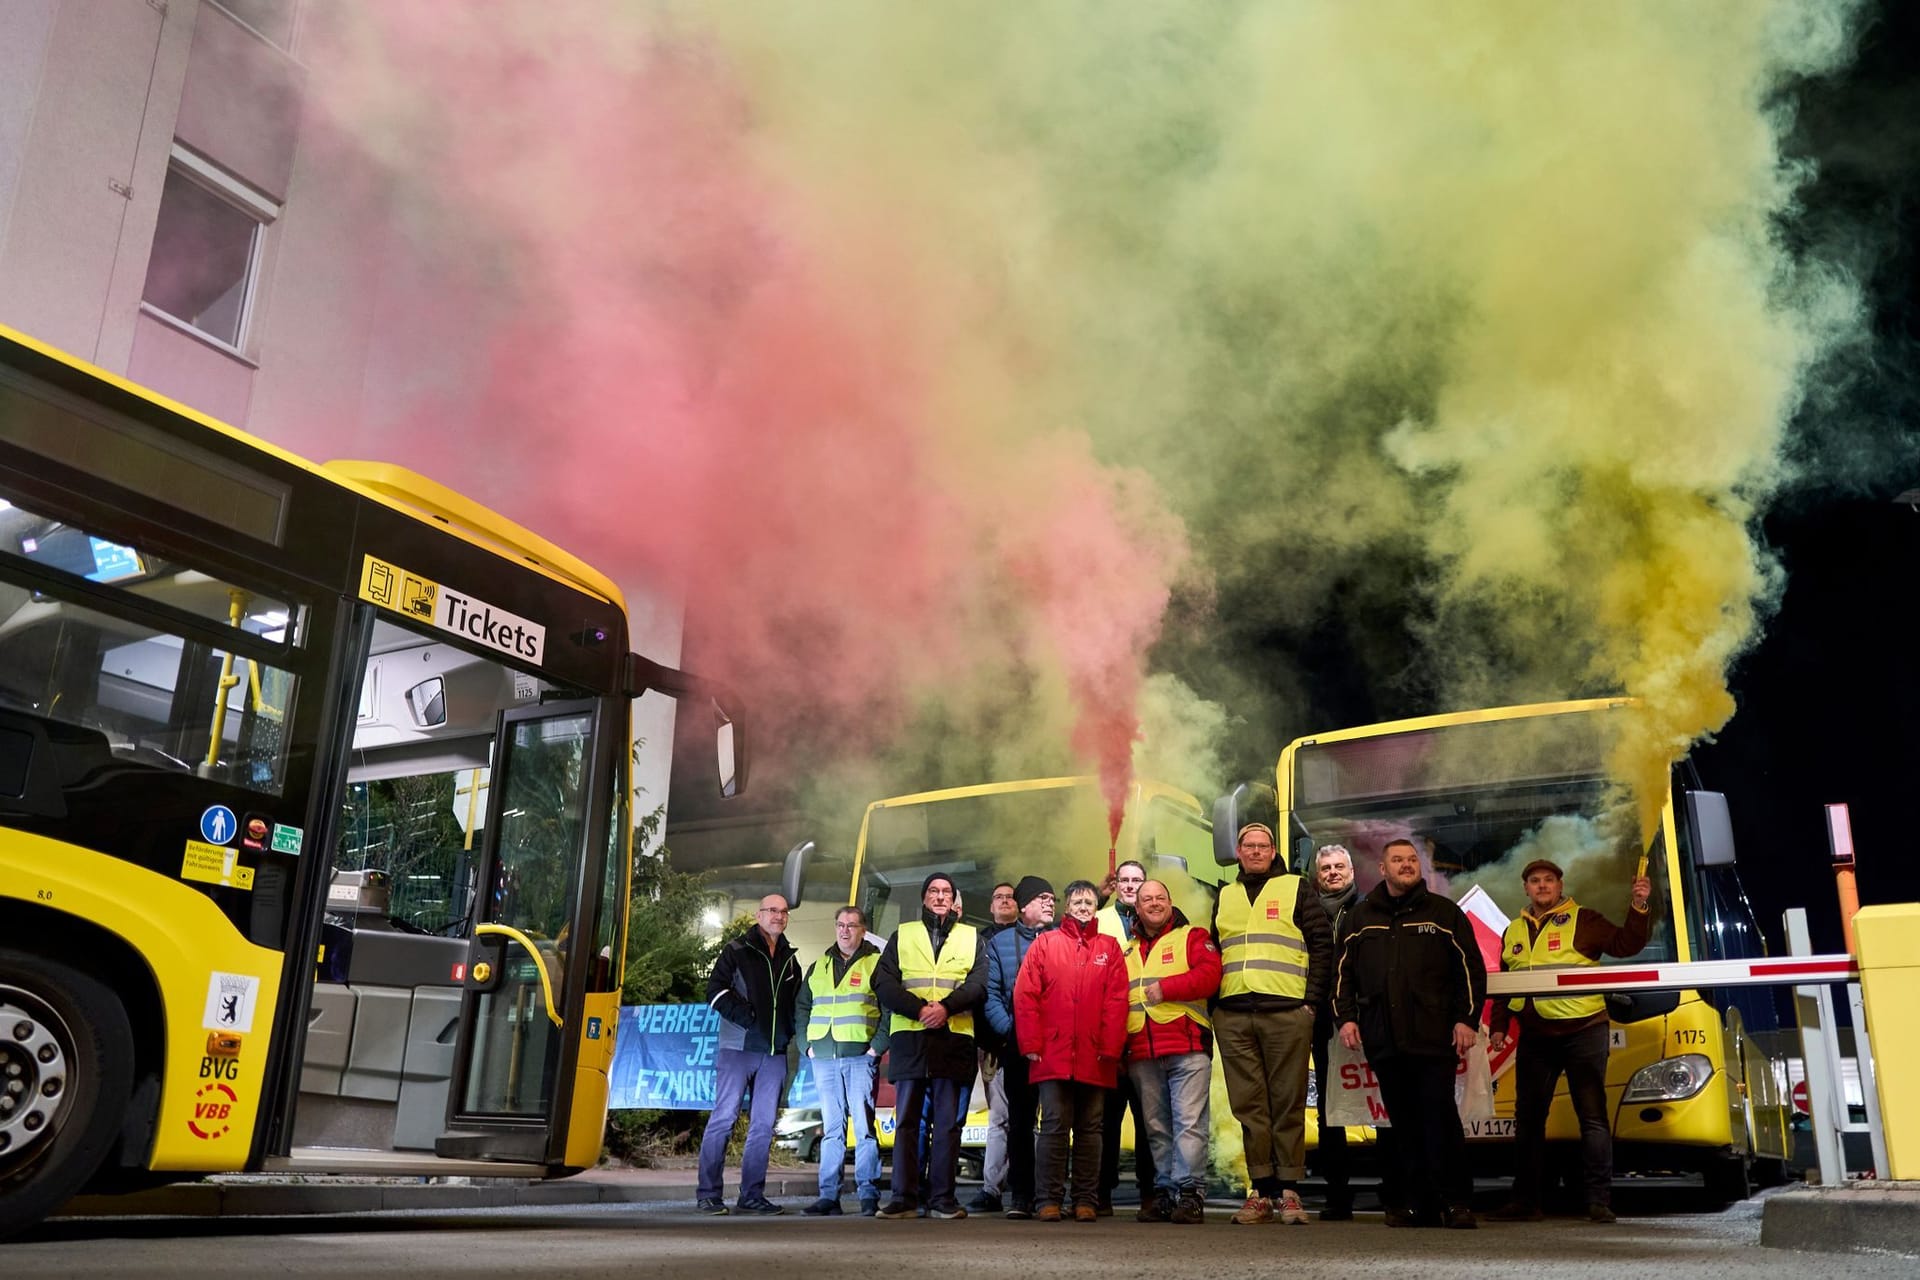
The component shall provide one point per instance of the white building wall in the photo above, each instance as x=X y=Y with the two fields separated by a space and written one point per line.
x=94 y=94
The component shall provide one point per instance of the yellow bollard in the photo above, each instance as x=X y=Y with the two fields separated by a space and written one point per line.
x=1889 y=955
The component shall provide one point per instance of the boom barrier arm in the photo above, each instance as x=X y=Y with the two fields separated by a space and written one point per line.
x=1777 y=971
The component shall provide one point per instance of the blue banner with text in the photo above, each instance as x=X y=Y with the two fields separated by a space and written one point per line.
x=663 y=1060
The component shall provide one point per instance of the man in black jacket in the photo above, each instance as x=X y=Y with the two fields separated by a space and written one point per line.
x=932 y=977
x=752 y=988
x=1410 y=987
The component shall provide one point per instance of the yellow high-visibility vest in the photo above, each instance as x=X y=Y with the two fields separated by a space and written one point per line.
x=1166 y=958
x=1109 y=922
x=844 y=1010
x=934 y=979
x=1261 y=949
x=1551 y=948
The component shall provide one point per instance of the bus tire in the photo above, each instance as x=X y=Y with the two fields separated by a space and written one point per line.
x=1729 y=1180
x=66 y=1045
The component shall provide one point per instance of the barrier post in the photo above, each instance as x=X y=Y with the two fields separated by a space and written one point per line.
x=1819 y=1057
x=1889 y=954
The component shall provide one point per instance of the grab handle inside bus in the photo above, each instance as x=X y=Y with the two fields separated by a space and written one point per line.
x=539 y=963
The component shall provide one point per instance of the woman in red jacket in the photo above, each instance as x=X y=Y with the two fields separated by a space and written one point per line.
x=1070 y=1012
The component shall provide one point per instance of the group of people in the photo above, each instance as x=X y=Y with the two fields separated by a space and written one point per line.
x=1104 y=1010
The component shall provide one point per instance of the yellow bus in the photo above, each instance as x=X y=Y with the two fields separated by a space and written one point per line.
x=1482 y=793
x=314 y=833
x=986 y=833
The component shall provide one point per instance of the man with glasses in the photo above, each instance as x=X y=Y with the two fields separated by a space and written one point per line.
x=1276 y=955
x=932 y=977
x=752 y=987
x=993 y=1168
x=841 y=1014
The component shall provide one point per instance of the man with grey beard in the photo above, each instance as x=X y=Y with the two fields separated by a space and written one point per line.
x=1333 y=877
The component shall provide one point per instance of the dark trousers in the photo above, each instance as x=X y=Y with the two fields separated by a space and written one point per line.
x=1119 y=1102
x=1425 y=1139
x=909 y=1096
x=1069 y=1108
x=1023 y=1107
x=1583 y=1057
x=1330 y=1157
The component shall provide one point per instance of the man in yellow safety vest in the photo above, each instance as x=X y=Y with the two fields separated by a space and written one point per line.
x=931 y=977
x=845 y=1037
x=1276 y=953
x=1562 y=1033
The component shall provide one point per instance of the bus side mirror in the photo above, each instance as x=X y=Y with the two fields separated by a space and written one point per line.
x=1712 y=828
x=1226 y=825
x=793 y=874
x=730 y=742
x=1247 y=802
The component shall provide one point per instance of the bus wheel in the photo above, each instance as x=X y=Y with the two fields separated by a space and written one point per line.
x=1729 y=1180
x=66 y=1071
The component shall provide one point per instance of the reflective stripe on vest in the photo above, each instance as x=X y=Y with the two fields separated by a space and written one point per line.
x=1552 y=948
x=1261 y=949
x=933 y=979
x=846 y=1010
x=1167 y=958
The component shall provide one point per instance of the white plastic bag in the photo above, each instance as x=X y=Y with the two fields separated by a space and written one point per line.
x=1351 y=1093
x=1473 y=1083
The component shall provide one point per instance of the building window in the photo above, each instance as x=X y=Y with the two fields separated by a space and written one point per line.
x=206 y=249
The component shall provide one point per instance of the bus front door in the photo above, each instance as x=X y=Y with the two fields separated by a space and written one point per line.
x=511 y=1085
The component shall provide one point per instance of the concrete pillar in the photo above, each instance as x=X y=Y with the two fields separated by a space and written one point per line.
x=1889 y=940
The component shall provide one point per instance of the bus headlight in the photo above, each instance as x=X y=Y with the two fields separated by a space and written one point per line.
x=1670 y=1079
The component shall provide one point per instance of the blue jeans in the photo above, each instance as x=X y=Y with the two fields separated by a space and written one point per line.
x=846 y=1097
x=1174 y=1106
x=738 y=1071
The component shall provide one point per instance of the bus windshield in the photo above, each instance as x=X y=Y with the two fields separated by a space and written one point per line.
x=1482 y=799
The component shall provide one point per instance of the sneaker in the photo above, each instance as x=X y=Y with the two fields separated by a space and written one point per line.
x=870 y=1208
x=713 y=1205
x=1460 y=1218
x=896 y=1209
x=1017 y=1212
x=984 y=1203
x=1601 y=1213
x=1256 y=1210
x=760 y=1205
x=1292 y=1212
x=823 y=1208
x=1088 y=1213
x=946 y=1209
x=1400 y=1218
x=1192 y=1209
x=1048 y=1213
x=1515 y=1211
x=1155 y=1208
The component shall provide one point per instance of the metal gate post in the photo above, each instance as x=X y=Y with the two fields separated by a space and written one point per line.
x=1869 y=1081
x=1813 y=1008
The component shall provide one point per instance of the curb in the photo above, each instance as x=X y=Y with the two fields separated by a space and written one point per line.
x=291 y=1199
x=1877 y=1219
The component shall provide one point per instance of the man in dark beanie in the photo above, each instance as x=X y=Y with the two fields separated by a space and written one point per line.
x=932 y=977
x=1004 y=955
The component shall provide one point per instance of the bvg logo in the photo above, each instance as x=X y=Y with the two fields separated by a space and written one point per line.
x=210 y=1110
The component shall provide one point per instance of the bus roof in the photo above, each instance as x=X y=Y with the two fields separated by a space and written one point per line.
x=1480 y=716
x=394 y=487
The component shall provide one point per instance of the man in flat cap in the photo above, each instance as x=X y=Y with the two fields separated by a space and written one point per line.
x=932 y=977
x=1562 y=1033
x=1276 y=954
